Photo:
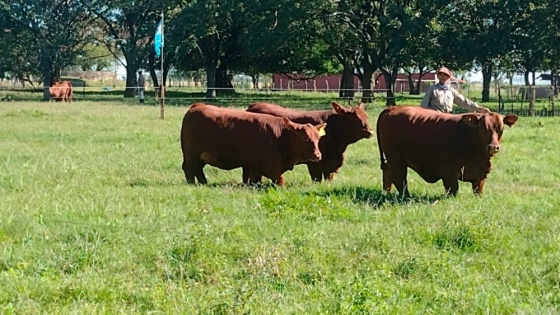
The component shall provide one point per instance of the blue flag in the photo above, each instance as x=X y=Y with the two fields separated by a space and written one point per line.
x=158 y=39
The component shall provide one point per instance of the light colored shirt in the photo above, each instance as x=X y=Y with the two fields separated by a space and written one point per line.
x=442 y=97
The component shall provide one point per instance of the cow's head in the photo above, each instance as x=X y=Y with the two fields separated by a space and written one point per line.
x=352 y=122
x=306 y=140
x=490 y=129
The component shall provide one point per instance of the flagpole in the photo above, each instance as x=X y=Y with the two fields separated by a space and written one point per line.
x=162 y=85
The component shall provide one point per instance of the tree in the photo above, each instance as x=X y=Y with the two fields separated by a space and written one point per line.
x=482 y=31
x=95 y=57
x=56 y=31
x=129 y=28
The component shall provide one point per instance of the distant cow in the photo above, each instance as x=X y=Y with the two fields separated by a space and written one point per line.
x=345 y=125
x=61 y=91
x=438 y=146
x=228 y=138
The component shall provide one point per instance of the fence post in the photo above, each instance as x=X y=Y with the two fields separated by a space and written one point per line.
x=552 y=109
x=532 y=101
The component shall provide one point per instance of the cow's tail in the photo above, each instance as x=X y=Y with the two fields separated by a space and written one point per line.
x=382 y=159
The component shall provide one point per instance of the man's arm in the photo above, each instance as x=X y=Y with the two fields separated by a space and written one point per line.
x=467 y=104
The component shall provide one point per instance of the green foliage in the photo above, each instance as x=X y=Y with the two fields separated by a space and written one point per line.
x=95 y=57
x=44 y=37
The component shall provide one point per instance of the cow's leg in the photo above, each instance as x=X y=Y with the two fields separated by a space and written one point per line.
x=276 y=177
x=387 y=178
x=255 y=178
x=315 y=170
x=251 y=177
x=200 y=174
x=331 y=166
x=245 y=175
x=193 y=169
x=189 y=172
x=329 y=176
x=280 y=181
x=398 y=177
x=478 y=187
x=451 y=185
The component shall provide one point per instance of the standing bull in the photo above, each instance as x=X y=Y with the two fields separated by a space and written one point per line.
x=228 y=138
x=345 y=125
x=438 y=146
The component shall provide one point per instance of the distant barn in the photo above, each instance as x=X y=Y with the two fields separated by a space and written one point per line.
x=332 y=83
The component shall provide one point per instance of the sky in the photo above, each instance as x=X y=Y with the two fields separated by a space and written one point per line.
x=517 y=79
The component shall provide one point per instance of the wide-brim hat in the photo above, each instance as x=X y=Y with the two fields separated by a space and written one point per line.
x=445 y=71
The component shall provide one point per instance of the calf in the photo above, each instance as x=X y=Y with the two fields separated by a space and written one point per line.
x=61 y=91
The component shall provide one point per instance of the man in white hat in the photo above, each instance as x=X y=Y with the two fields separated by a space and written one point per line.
x=441 y=96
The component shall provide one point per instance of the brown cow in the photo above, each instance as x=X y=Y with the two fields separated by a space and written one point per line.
x=61 y=91
x=228 y=138
x=345 y=125
x=438 y=146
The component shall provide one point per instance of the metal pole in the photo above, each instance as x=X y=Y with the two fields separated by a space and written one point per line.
x=162 y=85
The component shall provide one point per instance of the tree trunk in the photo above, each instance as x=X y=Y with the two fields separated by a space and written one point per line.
x=211 y=79
x=526 y=77
x=46 y=65
x=390 y=79
x=533 y=76
x=130 y=80
x=419 y=81
x=347 y=81
x=411 y=87
x=367 y=93
x=151 y=68
x=554 y=81
x=255 y=80
x=486 y=78
x=55 y=76
x=223 y=80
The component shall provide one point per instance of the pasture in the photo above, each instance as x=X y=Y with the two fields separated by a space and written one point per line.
x=96 y=218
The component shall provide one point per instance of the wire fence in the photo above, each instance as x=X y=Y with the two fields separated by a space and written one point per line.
x=519 y=100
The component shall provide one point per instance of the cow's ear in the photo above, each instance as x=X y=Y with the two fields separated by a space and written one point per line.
x=470 y=120
x=362 y=106
x=510 y=120
x=339 y=109
x=289 y=124
x=321 y=129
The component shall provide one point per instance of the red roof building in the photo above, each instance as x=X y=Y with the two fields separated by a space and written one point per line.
x=332 y=83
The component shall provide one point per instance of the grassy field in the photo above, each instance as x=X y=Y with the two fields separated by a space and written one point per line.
x=96 y=218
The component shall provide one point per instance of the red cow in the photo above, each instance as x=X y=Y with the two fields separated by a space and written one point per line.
x=345 y=125
x=61 y=91
x=438 y=146
x=228 y=138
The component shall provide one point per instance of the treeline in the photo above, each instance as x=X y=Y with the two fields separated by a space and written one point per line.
x=313 y=37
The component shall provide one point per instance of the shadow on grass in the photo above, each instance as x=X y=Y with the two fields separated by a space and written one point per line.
x=238 y=185
x=376 y=197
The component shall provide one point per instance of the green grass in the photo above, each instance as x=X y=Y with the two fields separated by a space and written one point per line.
x=95 y=218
